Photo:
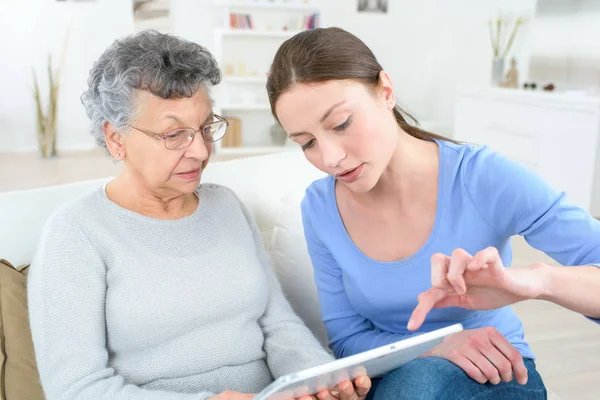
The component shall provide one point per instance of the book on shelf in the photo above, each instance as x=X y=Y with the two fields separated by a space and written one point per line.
x=245 y=21
x=240 y=21
x=233 y=136
x=311 y=21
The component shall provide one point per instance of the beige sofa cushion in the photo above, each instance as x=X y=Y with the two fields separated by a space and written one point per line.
x=19 y=379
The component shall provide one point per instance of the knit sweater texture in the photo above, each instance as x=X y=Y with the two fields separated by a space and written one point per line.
x=124 y=306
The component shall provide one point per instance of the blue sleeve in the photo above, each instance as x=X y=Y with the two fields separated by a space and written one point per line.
x=349 y=332
x=514 y=200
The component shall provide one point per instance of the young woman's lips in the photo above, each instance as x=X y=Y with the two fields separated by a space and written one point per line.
x=193 y=174
x=351 y=175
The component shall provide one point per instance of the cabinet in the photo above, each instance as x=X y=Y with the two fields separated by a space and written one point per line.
x=554 y=134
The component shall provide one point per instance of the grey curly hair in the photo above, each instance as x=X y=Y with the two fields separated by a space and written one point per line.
x=162 y=64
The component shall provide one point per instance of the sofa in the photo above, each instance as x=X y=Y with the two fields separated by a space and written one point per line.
x=271 y=186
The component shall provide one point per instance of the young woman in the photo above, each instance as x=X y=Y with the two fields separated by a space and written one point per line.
x=403 y=209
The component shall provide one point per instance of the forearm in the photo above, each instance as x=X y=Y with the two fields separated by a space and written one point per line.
x=575 y=288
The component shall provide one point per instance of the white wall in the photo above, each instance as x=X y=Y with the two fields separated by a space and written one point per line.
x=195 y=20
x=30 y=30
x=565 y=49
x=430 y=47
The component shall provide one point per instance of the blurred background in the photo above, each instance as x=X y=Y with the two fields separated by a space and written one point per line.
x=521 y=76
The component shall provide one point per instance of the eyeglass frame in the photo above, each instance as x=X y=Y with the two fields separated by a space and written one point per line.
x=191 y=136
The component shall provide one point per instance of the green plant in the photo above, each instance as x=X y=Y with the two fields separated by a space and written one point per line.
x=501 y=49
x=46 y=119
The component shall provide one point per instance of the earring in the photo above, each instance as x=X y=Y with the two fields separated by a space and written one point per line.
x=118 y=156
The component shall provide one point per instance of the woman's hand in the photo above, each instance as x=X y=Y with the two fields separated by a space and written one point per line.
x=345 y=391
x=484 y=354
x=477 y=282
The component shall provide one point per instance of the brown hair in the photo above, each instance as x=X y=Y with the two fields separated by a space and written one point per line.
x=324 y=54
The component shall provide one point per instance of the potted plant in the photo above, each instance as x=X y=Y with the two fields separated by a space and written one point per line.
x=47 y=116
x=500 y=48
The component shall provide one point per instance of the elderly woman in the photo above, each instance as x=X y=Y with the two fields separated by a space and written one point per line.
x=154 y=286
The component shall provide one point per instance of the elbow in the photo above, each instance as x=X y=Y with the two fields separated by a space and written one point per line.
x=339 y=349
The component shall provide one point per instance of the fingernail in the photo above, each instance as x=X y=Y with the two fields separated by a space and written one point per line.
x=523 y=381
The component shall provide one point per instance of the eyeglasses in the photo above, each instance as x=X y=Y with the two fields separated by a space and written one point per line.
x=180 y=138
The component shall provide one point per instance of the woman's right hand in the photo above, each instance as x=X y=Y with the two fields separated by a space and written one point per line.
x=345 y=391
x=231 y=395
x=484 y=354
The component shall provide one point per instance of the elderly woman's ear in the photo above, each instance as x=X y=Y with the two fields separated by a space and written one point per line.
x=114 y=141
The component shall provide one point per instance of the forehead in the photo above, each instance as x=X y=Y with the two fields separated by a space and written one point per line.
x=149 y=103
x=310 y=101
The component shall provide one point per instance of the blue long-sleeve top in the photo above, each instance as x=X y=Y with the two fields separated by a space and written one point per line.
x=483 y=200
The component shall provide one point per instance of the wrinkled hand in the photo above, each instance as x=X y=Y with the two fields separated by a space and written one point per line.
x=347 y=391
x=484 y=354
x=477 y=282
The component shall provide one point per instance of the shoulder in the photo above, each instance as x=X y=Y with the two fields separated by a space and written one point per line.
x=72 y=216
x=219 y=193
x=465 y=154
x=478 y=165
x=317 y=195
x=224 y=201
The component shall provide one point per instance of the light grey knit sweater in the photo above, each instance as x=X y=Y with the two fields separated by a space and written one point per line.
x=124 y=306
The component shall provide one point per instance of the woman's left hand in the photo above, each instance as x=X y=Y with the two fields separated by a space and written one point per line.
x=477 y=282
x=345 y=391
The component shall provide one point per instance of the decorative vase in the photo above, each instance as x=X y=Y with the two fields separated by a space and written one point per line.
x=278 y=135
x=47 y=140
x=497 y=71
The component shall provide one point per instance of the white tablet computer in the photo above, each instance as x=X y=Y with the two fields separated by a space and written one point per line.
x=373 y=363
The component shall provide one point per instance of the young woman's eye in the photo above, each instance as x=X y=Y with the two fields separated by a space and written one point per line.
x=308 y=144
x=344 y=125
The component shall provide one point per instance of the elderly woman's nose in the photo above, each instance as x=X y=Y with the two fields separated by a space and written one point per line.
x=198 y=148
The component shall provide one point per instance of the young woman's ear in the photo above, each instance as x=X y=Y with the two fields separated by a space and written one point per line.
x=114 y=141
x=386 y=89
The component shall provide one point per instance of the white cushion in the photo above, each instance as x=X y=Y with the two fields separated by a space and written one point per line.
x=23 y=214
x=293 y=266
x=270 y=186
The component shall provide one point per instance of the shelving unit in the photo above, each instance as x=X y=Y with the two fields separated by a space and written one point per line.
x=257 y=33
x=244 y=79
x=256 y=150
x=245 y=43
x=269 y=5
x=245 y=107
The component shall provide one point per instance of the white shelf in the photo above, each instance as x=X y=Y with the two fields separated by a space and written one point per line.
x=256 y=149
x=256 y=33
x=245 y=79
x=246 y=107
x=264 y=5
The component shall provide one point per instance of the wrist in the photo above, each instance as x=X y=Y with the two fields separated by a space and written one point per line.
x=547 y=276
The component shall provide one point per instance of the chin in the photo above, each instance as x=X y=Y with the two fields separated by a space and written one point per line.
x=360 y=186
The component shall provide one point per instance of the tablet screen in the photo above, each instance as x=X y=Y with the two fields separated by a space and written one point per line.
x=374 y=363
